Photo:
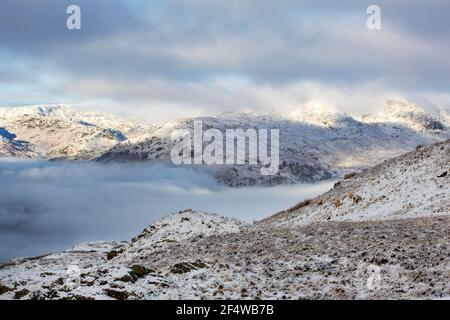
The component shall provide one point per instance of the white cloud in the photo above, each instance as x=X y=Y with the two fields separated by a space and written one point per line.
x=51 y=206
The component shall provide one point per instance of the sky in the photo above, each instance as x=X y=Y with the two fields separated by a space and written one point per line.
x=158 y=60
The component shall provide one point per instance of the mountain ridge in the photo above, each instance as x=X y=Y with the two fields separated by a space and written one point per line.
x=319 y=143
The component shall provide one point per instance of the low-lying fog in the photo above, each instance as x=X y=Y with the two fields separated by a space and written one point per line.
x=47 y=206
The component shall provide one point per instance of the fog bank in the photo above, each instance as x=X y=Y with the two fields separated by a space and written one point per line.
x=47 y=206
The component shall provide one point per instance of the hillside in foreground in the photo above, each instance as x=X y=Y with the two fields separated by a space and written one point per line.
x=412 y=185
x=314 y=251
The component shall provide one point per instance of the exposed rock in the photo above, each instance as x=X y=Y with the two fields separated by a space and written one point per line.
x=442 y=175
x=82 y=298
x=141 y=271
x=116 y=294
x=126 y=278
x=185 y=267
x=112 y=254
x=356 y=199
x=21 y=293
x=4 y=289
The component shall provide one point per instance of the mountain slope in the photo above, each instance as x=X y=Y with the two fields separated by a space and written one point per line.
x=309 y=150
x=56 y=131
x=11 y=148
x=406 y=258
x=411 y=185
x=316 y=142
x=412 y=115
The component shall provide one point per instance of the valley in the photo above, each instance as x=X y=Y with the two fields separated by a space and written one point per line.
x=319 y=249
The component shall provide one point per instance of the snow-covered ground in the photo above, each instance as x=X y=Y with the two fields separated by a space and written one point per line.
x=383 y=252
x=412 y=185
x=221 y=258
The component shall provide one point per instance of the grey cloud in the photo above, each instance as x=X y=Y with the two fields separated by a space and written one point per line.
x=270 y=43
x=37 y=28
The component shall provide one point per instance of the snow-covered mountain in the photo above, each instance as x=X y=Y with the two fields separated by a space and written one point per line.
x=316 y=142
x=393 y=245
x=412 y=115
x=11 y=148
x=54 y=131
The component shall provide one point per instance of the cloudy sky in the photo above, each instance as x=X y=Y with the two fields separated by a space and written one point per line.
x=170 y=58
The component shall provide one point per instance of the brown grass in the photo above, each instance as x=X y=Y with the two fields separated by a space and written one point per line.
x=350 y=175
x=299 y=205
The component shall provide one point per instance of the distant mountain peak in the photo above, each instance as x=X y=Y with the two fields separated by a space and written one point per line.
x=56 y=131
x=319 y=113
x=47 y=110
x=404 y=111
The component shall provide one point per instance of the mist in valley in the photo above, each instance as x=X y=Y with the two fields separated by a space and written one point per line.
x=48 y=206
